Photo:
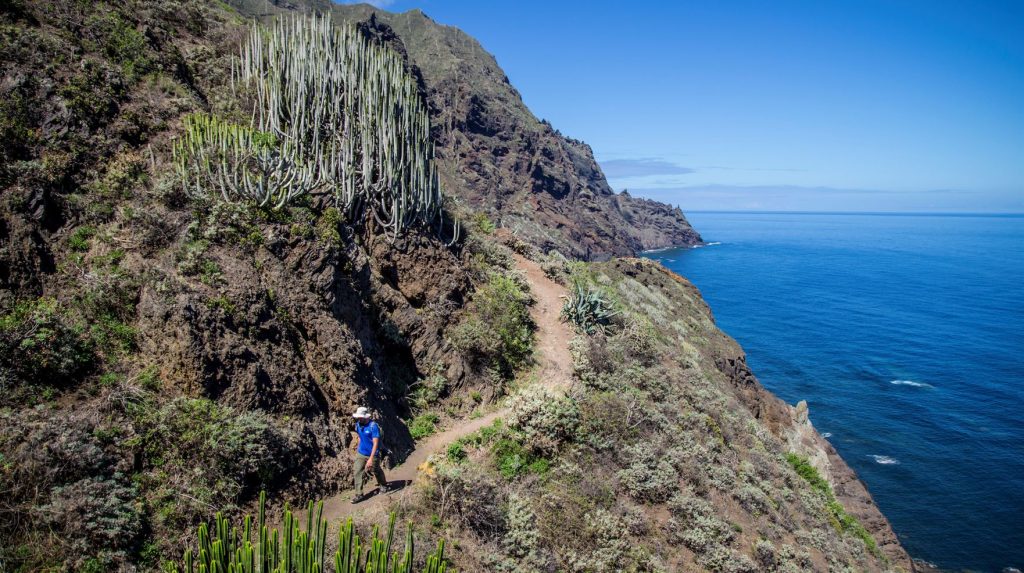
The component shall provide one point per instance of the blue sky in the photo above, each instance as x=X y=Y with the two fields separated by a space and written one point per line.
x=784 y=105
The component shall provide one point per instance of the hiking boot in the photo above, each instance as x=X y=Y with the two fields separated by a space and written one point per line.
x=385 y=488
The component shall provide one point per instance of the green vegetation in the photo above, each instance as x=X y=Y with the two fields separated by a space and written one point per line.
x=41 y=344
x=837 y=514
x=423 y=425
x=372 y=152
x=259 y=548
x=79 y=240
x=237 y=451
x=484 y=224
x=587 y=310
x=497 y=332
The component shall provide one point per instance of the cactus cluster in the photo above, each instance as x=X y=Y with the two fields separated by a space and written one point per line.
x=293 y=549
x=333 y=112
x=587 y=310
x=242 y=162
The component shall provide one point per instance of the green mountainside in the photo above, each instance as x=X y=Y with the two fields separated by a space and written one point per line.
x=208 y=260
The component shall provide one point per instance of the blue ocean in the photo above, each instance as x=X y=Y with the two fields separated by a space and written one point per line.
x=905 y=334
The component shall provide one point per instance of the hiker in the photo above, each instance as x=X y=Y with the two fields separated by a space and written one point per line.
x=368 y=453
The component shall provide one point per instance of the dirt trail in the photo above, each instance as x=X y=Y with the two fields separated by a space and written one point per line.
x=553 y=369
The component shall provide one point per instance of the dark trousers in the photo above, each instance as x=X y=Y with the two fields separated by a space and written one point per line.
x=359 y=471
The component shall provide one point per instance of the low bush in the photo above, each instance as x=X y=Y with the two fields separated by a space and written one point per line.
x=40 y=344
x=100 y=517
x=837 y=514
x=497 y=331
x=649 y=477
x=543 y=419
x=218 y=454
x=423 y=425
x=469 y=496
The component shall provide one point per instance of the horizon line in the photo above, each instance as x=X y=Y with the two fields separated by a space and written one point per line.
x=1012 y=214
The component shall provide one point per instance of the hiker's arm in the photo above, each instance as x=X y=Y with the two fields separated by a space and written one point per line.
x=369 y=461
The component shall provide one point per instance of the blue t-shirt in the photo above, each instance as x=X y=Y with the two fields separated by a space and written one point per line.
x=366 y=435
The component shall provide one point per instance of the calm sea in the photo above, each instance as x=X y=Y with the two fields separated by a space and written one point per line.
x=905 y=334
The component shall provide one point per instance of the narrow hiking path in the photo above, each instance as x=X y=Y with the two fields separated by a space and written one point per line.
x=553 y=369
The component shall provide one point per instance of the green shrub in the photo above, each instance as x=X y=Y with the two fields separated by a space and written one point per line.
x=428 y=390
x=218 y=454
x=483 y=223
x=80 y=240
x=423 y=425
x=543 y=419
x=328 y=226
x=127 y=46
x=497 y=332
x=837 y=514
x=99 y=514
x=456 y=451
x=40 y=344
x=649 y=477
x=91 y=95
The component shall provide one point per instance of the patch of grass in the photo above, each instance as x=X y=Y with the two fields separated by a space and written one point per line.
x=423 y=425
x=81 y=239
x=483 y=223
x=841 y=520
x=328 y=225
x=456 y=451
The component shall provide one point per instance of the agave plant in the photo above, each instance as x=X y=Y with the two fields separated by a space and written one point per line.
x=587 y=310
x=333 y=112
x=295 y=549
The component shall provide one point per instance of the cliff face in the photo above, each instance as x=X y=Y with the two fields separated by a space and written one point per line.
x=500 y=159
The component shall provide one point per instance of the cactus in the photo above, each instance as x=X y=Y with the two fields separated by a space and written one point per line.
x=587 y=311
x=333 y=112
x=299 y=550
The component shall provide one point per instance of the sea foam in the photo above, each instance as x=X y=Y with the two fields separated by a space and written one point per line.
x=884 y=460
x=911 y=383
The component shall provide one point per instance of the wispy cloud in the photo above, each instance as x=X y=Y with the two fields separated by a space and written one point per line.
x=620 y=168
x=807 y=189
x=752 y=169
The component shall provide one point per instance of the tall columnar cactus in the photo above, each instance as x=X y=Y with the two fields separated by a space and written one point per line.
x=300 y=550
x=242 y=162
x=333 y=112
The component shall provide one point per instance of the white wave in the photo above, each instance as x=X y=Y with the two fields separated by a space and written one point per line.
x=713 y=243
x=911 y=383
x=827 y=435
x=884 y=460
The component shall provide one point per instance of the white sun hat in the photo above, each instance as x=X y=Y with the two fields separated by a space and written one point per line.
x=362 y=412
